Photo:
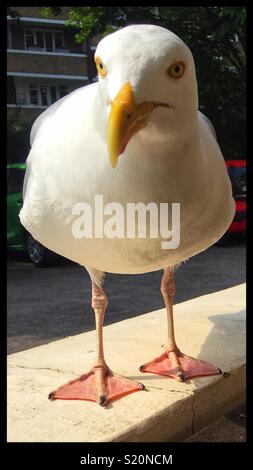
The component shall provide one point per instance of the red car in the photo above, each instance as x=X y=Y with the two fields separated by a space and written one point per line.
x=237 y=173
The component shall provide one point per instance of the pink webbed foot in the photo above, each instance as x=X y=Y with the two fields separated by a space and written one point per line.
x=179 y=366
x=100 y=384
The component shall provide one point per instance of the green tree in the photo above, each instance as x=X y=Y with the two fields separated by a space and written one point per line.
x=216 y=36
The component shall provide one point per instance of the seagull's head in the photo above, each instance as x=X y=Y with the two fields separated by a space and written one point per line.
x=148 y=82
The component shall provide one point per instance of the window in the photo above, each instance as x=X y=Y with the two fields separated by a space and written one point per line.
x=43 y=94
x=49 y=42
x=53 y=94
x=39 y=39
x=44 y=40
x=21 y=98
x=33 y=94
x=63 y=91
x=29 y=39
x=59 y=42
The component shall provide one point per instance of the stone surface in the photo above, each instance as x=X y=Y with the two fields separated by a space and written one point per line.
x=211 y=327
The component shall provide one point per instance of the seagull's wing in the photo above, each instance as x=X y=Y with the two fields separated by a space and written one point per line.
x=36 y=126
x=43 y=116
x=39 y=123
x=205 y=119
x=49 y=112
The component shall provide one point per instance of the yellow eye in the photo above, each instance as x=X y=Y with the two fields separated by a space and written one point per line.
x=101 y=68
x=176 y=70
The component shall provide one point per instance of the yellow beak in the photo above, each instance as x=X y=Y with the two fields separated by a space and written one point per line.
x=125 y=120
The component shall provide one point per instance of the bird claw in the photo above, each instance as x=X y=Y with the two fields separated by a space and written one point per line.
x=102 y=400
x=181 y=377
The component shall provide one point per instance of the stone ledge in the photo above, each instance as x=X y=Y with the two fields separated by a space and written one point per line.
x=211 y=327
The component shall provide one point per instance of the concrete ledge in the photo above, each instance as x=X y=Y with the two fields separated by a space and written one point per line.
x=211 y=327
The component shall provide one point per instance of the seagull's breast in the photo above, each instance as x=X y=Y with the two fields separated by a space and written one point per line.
x=69 y=165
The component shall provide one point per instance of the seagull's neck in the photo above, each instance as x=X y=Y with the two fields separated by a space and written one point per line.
x=168 y=145
x=146 y=168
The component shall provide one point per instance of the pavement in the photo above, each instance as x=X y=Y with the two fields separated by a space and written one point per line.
x=210 y=327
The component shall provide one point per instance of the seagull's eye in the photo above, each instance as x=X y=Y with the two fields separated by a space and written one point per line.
x=176 y=70
x=101 y=68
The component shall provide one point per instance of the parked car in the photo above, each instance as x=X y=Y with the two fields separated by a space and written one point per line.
x=237 y=172
x=17 y=237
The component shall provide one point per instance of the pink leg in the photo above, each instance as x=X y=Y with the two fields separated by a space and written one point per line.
x=100 y=384
x=173 y=362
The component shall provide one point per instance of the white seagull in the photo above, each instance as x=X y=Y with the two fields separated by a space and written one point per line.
x=145 y=108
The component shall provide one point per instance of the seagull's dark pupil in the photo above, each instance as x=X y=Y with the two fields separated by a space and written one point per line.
x=101 y=65
x=177 y=69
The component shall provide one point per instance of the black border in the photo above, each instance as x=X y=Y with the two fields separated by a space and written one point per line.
x=191 y=454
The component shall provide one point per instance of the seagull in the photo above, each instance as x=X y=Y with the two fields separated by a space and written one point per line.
x=135 y=136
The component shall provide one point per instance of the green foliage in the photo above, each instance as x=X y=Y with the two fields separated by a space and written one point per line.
x=216 y=37
x=48 y=12
x=18 y=135
x=91 y=21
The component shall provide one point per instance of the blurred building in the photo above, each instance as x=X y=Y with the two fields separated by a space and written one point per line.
x=44 y=62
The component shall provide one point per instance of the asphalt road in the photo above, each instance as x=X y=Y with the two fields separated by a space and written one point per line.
x=46 y=304
x=229 y=428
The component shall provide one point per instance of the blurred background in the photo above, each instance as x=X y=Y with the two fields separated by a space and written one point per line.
x=51 y=49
